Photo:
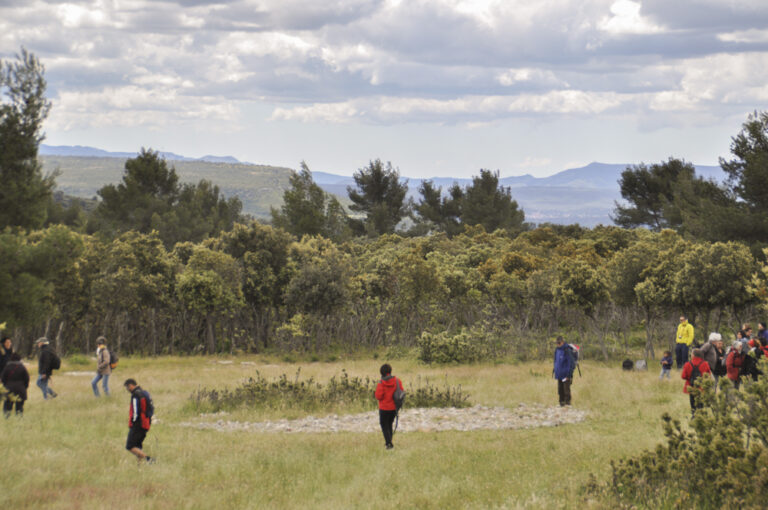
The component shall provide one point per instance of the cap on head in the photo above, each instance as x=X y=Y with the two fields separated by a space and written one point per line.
x=101 y=341
x=715 y=337
x=42 y=341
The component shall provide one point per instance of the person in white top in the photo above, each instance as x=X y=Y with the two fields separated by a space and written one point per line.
x=103 y=369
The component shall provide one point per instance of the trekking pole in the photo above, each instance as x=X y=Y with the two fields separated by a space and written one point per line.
x=397 y=420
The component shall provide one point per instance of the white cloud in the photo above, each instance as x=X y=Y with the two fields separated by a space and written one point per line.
x=626 y=19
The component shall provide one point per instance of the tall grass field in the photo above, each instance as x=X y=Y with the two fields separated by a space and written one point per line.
x=69 y=452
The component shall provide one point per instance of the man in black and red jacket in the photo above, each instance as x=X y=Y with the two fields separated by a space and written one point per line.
x=139 y=420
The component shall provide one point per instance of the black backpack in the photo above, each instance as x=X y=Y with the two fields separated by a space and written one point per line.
x=399 y=395
x=55 y=361
x=695 y=374
x=150 y=411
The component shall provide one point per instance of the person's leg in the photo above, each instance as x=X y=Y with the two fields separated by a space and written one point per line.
x=7 y=406
x=105 y=384
x=95 y=384
x=685 y=353
x=386 y=419
x=567 y=391
x=42 y=383
x=693 y=403
x=661 y=374
x=19 y=407
x=679 y=355
x=669 y=373
x=560 y=392
x=135 y=443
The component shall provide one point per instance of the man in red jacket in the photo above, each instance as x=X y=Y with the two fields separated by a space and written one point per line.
x=140 y=419
x=693 y=371
x=387 y=408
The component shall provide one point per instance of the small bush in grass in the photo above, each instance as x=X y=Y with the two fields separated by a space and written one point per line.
x=78 y=359
x=343 y=391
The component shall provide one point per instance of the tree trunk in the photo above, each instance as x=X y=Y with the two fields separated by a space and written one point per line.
x=153 y=326
x=211 y=339
x=57 y=345
x=649 y=335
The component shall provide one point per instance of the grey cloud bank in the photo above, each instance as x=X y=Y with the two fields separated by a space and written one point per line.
x=268 y=80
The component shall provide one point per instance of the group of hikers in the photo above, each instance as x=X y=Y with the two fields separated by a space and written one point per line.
x=15 y=379
x=708 y=360
x=713 y=360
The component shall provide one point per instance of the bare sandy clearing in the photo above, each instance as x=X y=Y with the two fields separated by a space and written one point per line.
x=411 y=420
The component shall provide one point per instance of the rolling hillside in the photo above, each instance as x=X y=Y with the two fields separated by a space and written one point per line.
x=583 y=195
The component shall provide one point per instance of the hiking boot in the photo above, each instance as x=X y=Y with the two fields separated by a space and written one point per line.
x=54 y=394
x=151 y=460
x=390 y=446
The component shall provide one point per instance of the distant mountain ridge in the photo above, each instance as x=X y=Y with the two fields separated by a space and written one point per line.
x=92 y=152
x=584 y=195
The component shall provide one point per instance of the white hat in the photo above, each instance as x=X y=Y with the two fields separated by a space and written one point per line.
x=715 y=337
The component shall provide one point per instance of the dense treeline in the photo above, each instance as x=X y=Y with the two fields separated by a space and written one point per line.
x=160 y=266
x=255 y=287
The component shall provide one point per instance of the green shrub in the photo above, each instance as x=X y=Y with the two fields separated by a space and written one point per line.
x=466 y=346
x=721 y=462
x=340 y=392
x=79 y=359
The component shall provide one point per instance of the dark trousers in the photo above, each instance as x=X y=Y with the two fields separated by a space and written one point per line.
x=694 y=404
x=386 y=419
x=681 y=354
x=564 y=391
x=8 y=406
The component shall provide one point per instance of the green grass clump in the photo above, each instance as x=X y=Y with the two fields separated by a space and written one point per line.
x=281 y=393
x=78 y=360
x=343 y=392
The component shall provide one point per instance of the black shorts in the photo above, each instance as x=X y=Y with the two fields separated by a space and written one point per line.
x=135 y=438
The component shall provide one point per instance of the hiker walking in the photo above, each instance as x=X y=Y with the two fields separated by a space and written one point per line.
x=15 y=378
x=683 y=341
x=385 y=391
x=693 y=371
x=140 y=419
x=46 y=364
x=563 y=371
x=103 y=368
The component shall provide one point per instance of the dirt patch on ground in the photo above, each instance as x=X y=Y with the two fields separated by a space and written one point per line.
x=411 y=420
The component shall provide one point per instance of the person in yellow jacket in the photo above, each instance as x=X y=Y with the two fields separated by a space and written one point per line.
x=683 y=341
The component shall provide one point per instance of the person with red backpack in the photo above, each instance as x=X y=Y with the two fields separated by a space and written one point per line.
x=693 y=371
x=388 y=406
x=140 y=419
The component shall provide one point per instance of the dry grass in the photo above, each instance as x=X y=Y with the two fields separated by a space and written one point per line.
x=69 y=452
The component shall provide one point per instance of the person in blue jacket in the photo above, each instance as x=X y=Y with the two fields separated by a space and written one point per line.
x=563 y=371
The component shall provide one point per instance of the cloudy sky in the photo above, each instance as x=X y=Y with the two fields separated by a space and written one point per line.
x=438 y=87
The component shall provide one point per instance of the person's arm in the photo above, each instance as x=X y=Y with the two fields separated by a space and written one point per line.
x=134 y=416
x=686 y=373
x=379 y=393
x=688 y=335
